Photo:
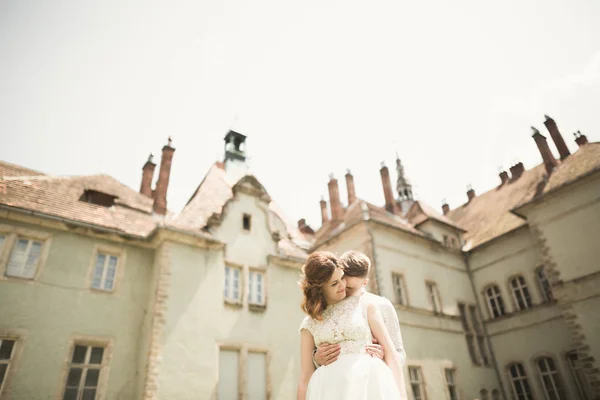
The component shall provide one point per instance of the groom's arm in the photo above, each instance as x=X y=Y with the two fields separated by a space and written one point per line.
x=390 y=318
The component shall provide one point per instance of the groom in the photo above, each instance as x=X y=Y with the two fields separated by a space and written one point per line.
x=356 y=269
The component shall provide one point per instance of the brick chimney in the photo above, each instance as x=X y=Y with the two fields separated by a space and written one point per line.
x=445 y=207
x=147 y=175
x=542 y=144
x=302 y=227
x=580 y=138
x=503 y=177
x=160 y=193
x=517 y=170
x=557 y=138
x=350 y=188
x=470 y=193
x=334 y=199
x=390 y=203
x=324 y=213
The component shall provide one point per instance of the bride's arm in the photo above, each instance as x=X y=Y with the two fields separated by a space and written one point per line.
x=307 y=345
x=390 y=355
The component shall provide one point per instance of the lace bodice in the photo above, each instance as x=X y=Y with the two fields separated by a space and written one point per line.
x=344 y=323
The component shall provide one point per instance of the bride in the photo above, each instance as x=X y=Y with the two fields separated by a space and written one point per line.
x=352 y=323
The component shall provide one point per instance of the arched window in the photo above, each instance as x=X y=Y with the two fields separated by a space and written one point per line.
x=518 y=382
x=495 y=394
x=483 y=394
x=520 y=293
x=494 y=301
x=544 y=284
x=551 y=382
x=578 y=374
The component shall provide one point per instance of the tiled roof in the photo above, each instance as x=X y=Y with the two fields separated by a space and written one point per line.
x=59 y=197
x=8 y=169
x=488 y=215
x=210 y=198
x=357 y=211
x=420 y=212
x=584 y=161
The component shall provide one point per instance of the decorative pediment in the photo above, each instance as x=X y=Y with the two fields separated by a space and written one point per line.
x=251 y=186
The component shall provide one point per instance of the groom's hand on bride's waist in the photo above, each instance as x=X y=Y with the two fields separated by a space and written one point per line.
x=326 y=353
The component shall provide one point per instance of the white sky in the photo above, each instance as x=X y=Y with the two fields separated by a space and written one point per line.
x=317 y=86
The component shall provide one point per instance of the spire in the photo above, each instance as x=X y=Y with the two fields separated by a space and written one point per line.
x=403 y=186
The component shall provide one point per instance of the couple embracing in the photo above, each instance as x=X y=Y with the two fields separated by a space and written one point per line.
x=351 y=346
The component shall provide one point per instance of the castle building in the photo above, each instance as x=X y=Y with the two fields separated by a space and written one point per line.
x=108 y=294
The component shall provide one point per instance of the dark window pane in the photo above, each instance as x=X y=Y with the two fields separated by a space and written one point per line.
x=70 y=394
x=79 y=354
x=74 y=377
x=96 y=357
x=6 y=349
x=542 y=365
x=91 y=379
x=3 y=368
x=89 y=394
x=551 y=364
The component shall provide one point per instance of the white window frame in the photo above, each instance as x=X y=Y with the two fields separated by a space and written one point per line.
x=576 y=374
x=253 y=285
x=415 y=376
x=228 y=284
x=544 y=284
x=11 y=236
x=520 y=292
x=494 y=301
x=9 y=362
x=107 y=250
x=520 y=378
x=433 y=294
x=451 y=383
x=399 y=289
x=551 y=376
x=104 y=274
x=88 y=341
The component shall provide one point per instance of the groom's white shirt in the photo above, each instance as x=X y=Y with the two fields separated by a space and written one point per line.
x=390 y=319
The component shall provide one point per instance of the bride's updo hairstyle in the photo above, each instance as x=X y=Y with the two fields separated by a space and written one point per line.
x=316 y=272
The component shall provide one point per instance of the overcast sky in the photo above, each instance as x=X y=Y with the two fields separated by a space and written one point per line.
x=91 y=87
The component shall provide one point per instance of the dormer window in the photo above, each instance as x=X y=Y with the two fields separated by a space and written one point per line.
x=247 y=222
x=98 y=198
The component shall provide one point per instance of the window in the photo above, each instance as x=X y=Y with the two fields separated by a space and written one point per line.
x=483 y=394
x=417 y=384
x=519 y=384
x=398 y=282
x=231 y=289
x=98 y=198
x=234 y=380
x=578 y=375
x=256 y=287
x=105 y=271
x=24 y=258
x=544 y=284
x=550 y=380
x=85 y=370
x=2 y=238
x=473 y=334
x=451 y=383
x=520 y=293
x=454 y=243
x=434 y=297
x=446 y=243
x=482 y=351
x=479 y=332
x=7 y=347
x=495 y=394
x=229 y=374
x=247 y=222
x=471 y=348
x=494 y=301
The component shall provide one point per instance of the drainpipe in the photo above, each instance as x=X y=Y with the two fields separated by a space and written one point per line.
x=484 y=327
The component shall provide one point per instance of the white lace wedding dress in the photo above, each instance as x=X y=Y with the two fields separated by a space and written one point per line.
x=355 y=375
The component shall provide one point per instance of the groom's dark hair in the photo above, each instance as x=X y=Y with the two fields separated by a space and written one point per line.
x=355 y=264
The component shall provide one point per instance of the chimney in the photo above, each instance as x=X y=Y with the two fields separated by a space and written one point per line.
x=147 y=175
x=557 y=138
x=445 y=207
x=503 y=177
x=160 y=193
x=517 y=170
x=470 y=193
x=580 y=138
x=324 y=214
x=302 y=227
x=542 y=144
x=334 y=199
x=350 y=188
x=386 y=182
